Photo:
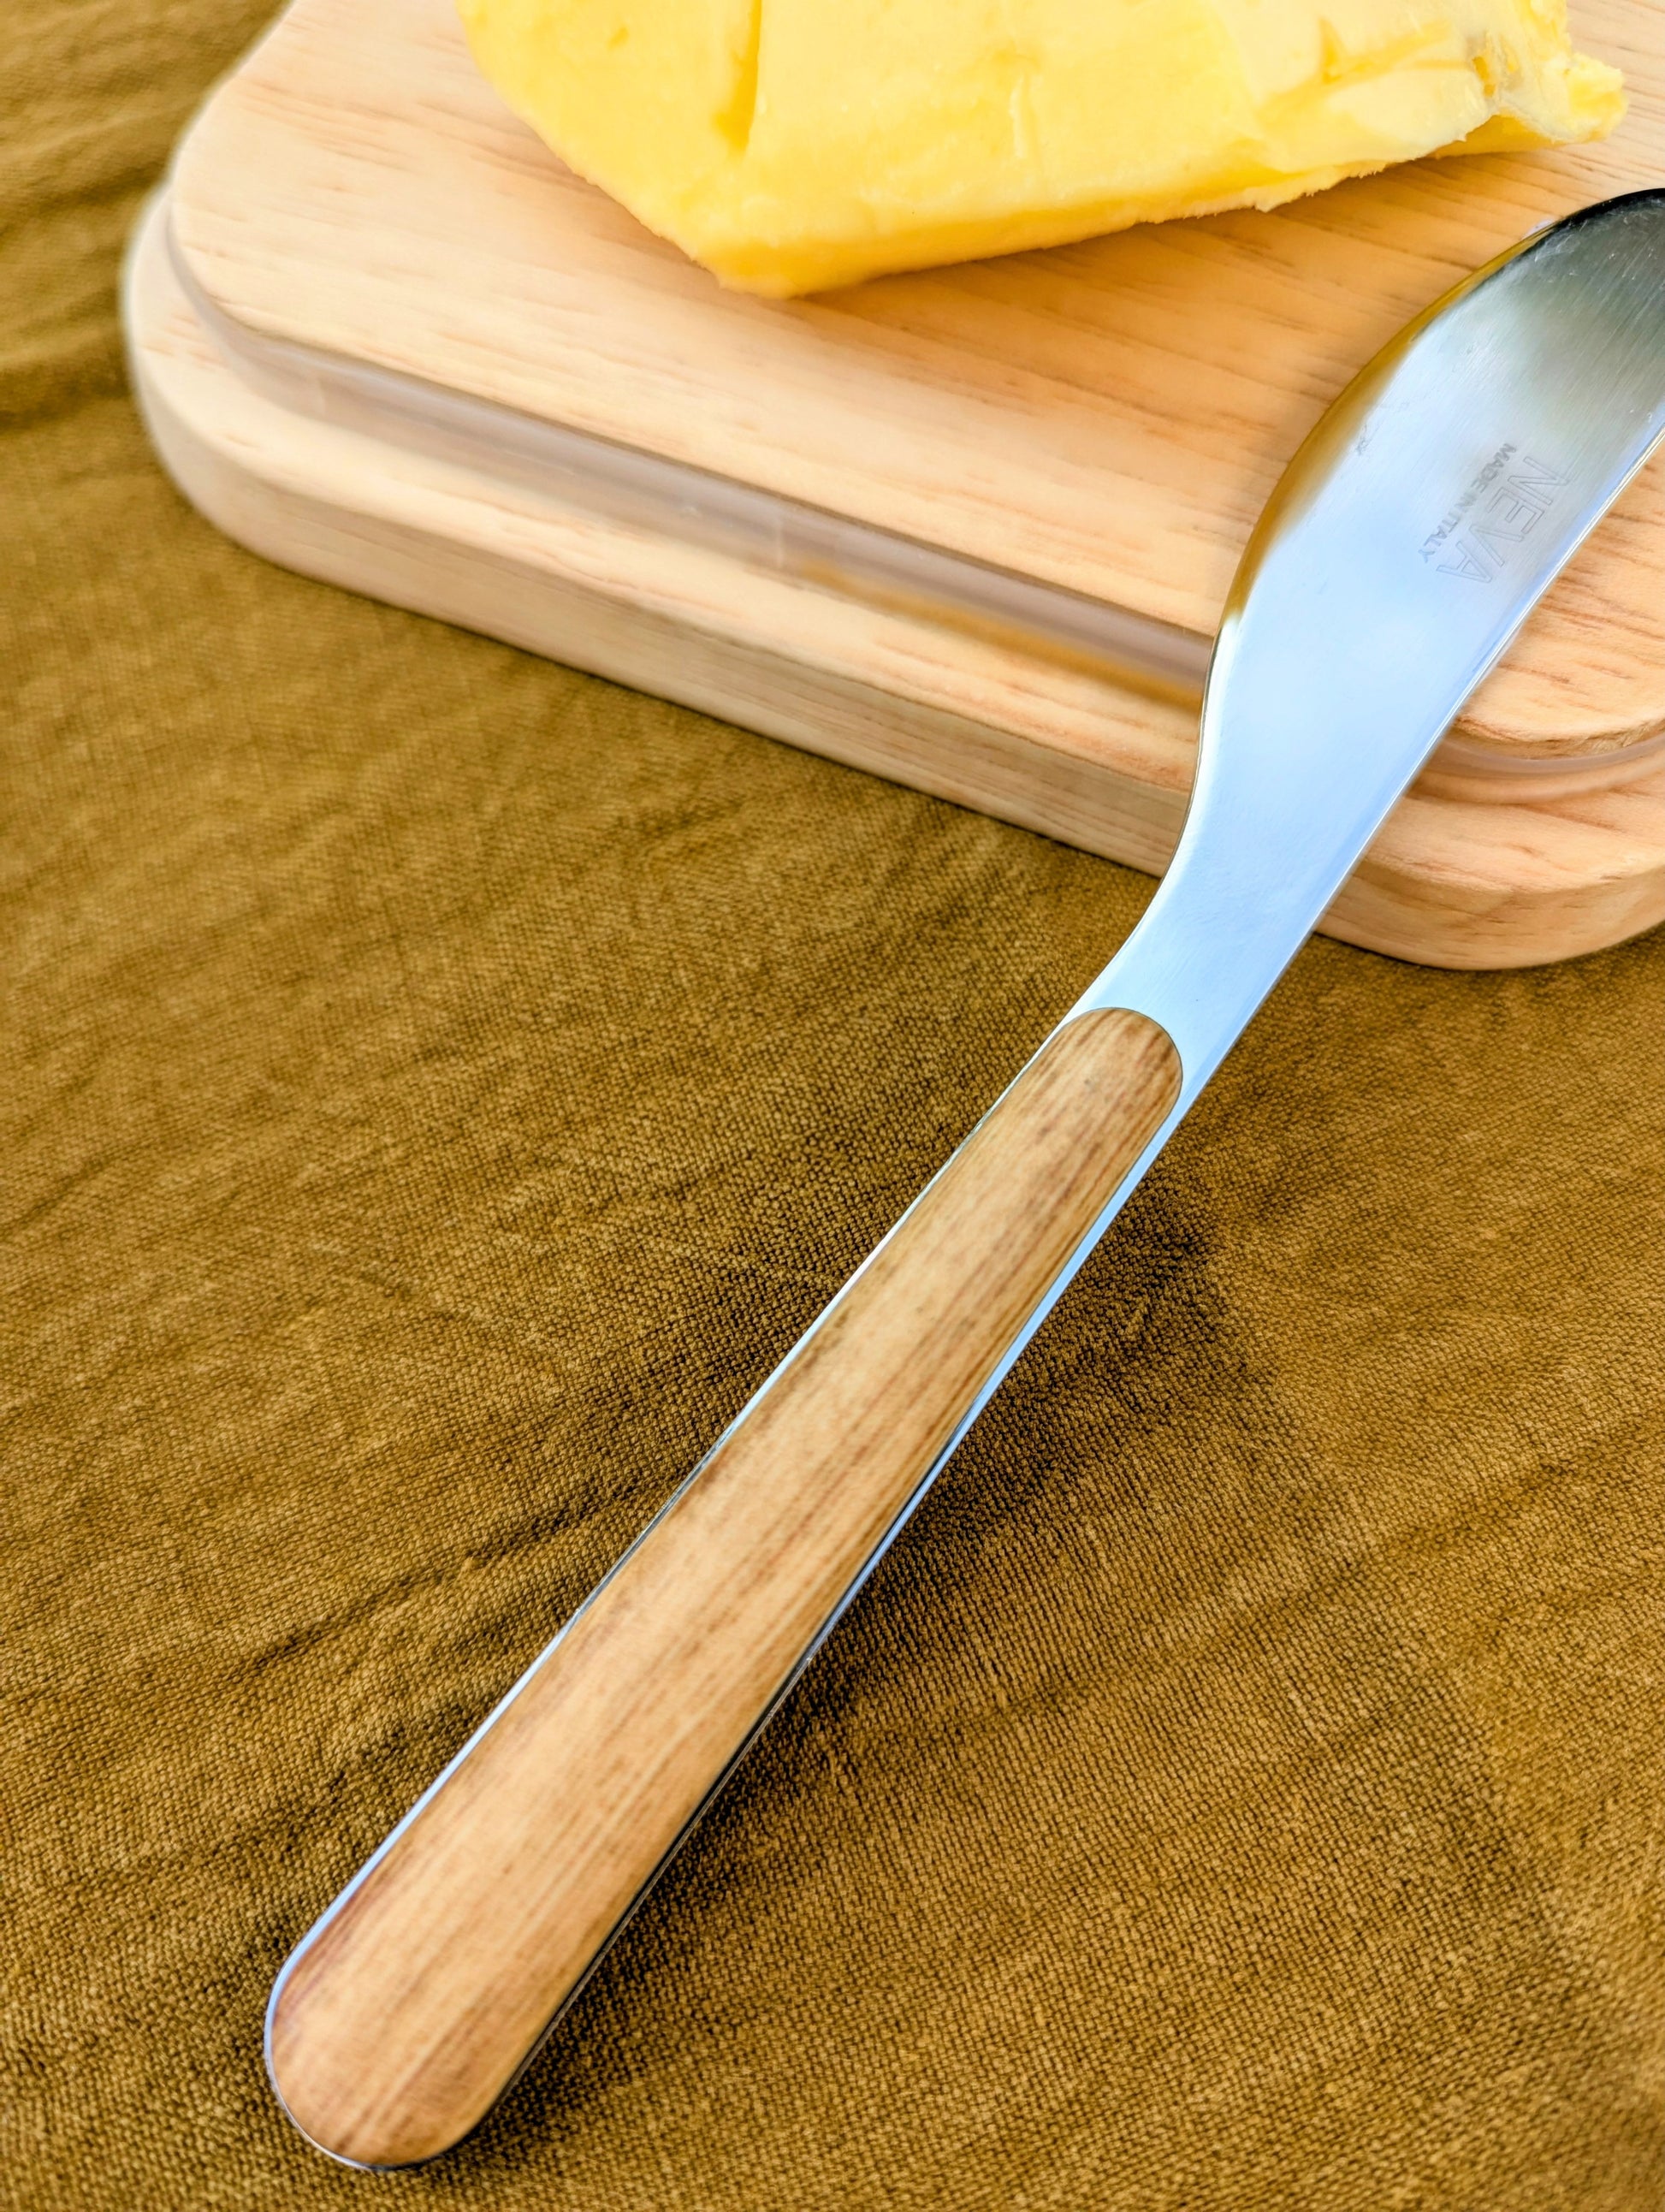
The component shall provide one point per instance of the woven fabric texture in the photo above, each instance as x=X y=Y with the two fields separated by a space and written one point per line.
x=437 y=1086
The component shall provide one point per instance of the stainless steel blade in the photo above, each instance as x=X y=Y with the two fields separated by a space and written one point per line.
x=1408 y=539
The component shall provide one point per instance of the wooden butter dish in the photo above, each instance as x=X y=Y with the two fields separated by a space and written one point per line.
x=970 y=530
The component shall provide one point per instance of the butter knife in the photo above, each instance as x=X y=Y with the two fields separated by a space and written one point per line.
x=1428 y=511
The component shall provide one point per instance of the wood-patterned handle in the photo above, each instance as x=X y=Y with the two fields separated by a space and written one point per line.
x=401 y=2019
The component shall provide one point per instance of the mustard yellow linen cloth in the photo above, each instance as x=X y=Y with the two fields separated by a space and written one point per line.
x=436 y=1087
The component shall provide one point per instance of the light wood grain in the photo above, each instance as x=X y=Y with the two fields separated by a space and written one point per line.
x=405 y=2014
x=1495 y=874
x=1109 y=416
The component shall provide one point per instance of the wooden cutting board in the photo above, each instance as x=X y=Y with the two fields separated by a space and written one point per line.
x=971 y=529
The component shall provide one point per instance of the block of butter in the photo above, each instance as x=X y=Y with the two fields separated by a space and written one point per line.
x=790 y=145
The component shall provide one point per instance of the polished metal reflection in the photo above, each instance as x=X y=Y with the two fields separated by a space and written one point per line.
x=1408 y=539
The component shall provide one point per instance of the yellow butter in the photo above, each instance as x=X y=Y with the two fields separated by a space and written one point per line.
x=793 y=144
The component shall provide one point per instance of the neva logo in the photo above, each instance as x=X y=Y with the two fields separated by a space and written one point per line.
x=1500 y=509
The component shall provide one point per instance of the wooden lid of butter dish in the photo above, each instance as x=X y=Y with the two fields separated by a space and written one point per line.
x=1005 y=496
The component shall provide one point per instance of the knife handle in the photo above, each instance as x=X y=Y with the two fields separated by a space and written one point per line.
x=412 y=2004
